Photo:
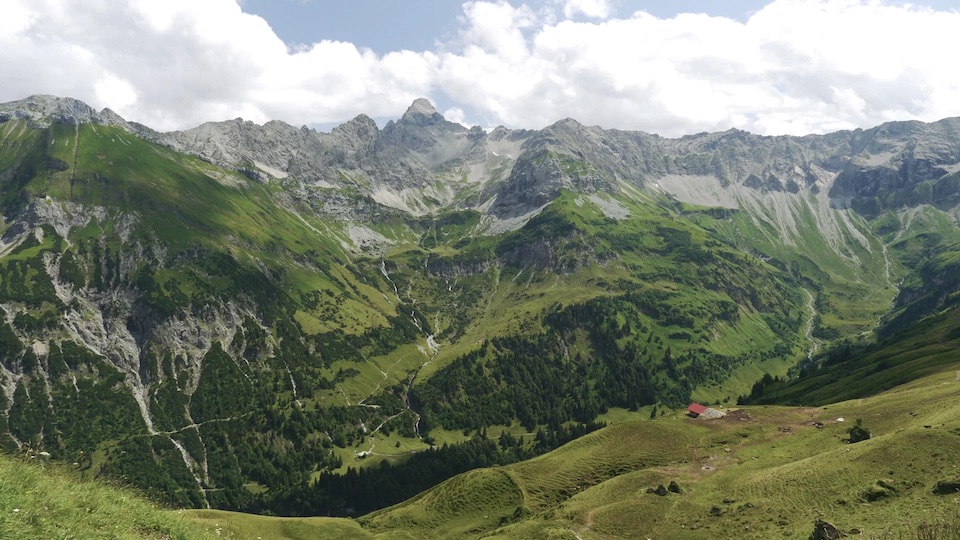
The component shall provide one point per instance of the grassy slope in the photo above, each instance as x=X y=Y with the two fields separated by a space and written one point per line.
x=922 y=349
x=768 y=475
x=248 y=212
x=172 y=195
x=854 y=287
x=236 y=526
x=37 y=500
x=633 y=251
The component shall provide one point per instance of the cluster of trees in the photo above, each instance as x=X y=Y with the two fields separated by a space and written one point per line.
x=622 y=362
x=26 y=280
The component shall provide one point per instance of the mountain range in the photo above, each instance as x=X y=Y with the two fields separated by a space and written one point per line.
x=232 y=315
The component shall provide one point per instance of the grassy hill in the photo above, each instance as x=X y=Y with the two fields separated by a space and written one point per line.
x=849 y=372
x=760 y=472
x=40 y=500
x=218 y=341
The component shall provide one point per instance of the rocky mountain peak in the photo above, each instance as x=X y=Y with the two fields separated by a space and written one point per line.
x=421 y=113
x=359 y=134
x=43 y=110
x=420 y=106
x=566 y=123
x=362 y=125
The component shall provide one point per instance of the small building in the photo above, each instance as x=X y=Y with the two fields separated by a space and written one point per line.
x=696 y=409
x=702 y=411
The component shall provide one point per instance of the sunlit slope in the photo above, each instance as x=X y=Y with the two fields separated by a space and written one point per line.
x=767 y=475
x=147 y=293
x=601 y=285
x=848 y=372
x=762 y=472
x=39 y=500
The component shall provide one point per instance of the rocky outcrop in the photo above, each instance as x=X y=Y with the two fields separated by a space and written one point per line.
x=947 y=487
x=823 y=530
x=900 y=164
x=570 y=156
x=44 y=110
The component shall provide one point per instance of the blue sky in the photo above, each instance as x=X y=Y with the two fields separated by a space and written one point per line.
x=667 y=67
x=385 y=25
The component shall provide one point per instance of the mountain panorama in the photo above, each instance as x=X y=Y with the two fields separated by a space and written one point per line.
x=426 y=330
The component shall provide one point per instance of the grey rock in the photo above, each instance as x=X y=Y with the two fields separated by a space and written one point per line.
x=44 y=110
x=823 y=530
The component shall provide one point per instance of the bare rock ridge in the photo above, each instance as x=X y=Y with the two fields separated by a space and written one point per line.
x=43 y=110
x=422 y=163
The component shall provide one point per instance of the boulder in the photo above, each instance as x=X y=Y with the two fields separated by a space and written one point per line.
x=823 y=530
x=947 y=487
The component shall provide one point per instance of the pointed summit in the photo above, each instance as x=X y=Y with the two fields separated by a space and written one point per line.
x=420 y=107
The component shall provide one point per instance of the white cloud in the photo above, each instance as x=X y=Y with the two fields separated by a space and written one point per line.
x=795 y=66
x=457 y=116
x=115 y=91
x=598 y=9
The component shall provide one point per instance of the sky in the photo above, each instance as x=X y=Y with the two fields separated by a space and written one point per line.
x=670 y=67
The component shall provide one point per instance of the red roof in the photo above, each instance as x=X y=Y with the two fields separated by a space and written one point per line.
x=696 y=408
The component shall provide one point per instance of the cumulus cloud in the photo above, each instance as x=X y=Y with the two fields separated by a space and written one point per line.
x=795 y=66
x=599 y=9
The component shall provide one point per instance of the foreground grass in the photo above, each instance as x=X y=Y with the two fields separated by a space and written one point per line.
x=39 y=500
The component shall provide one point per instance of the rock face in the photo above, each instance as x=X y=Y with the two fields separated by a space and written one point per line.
x=823 y=530
x=422 y=162
x=901 y=164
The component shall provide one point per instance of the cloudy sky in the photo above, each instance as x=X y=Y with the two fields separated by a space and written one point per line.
x=668 y=67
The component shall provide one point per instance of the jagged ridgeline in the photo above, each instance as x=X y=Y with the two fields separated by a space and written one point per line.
x=224 y=316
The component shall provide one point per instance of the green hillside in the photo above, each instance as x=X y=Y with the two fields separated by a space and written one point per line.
x=849 y=372
x=227 y=341
x=39 y=499
x=760 y=472
x=215 y=341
